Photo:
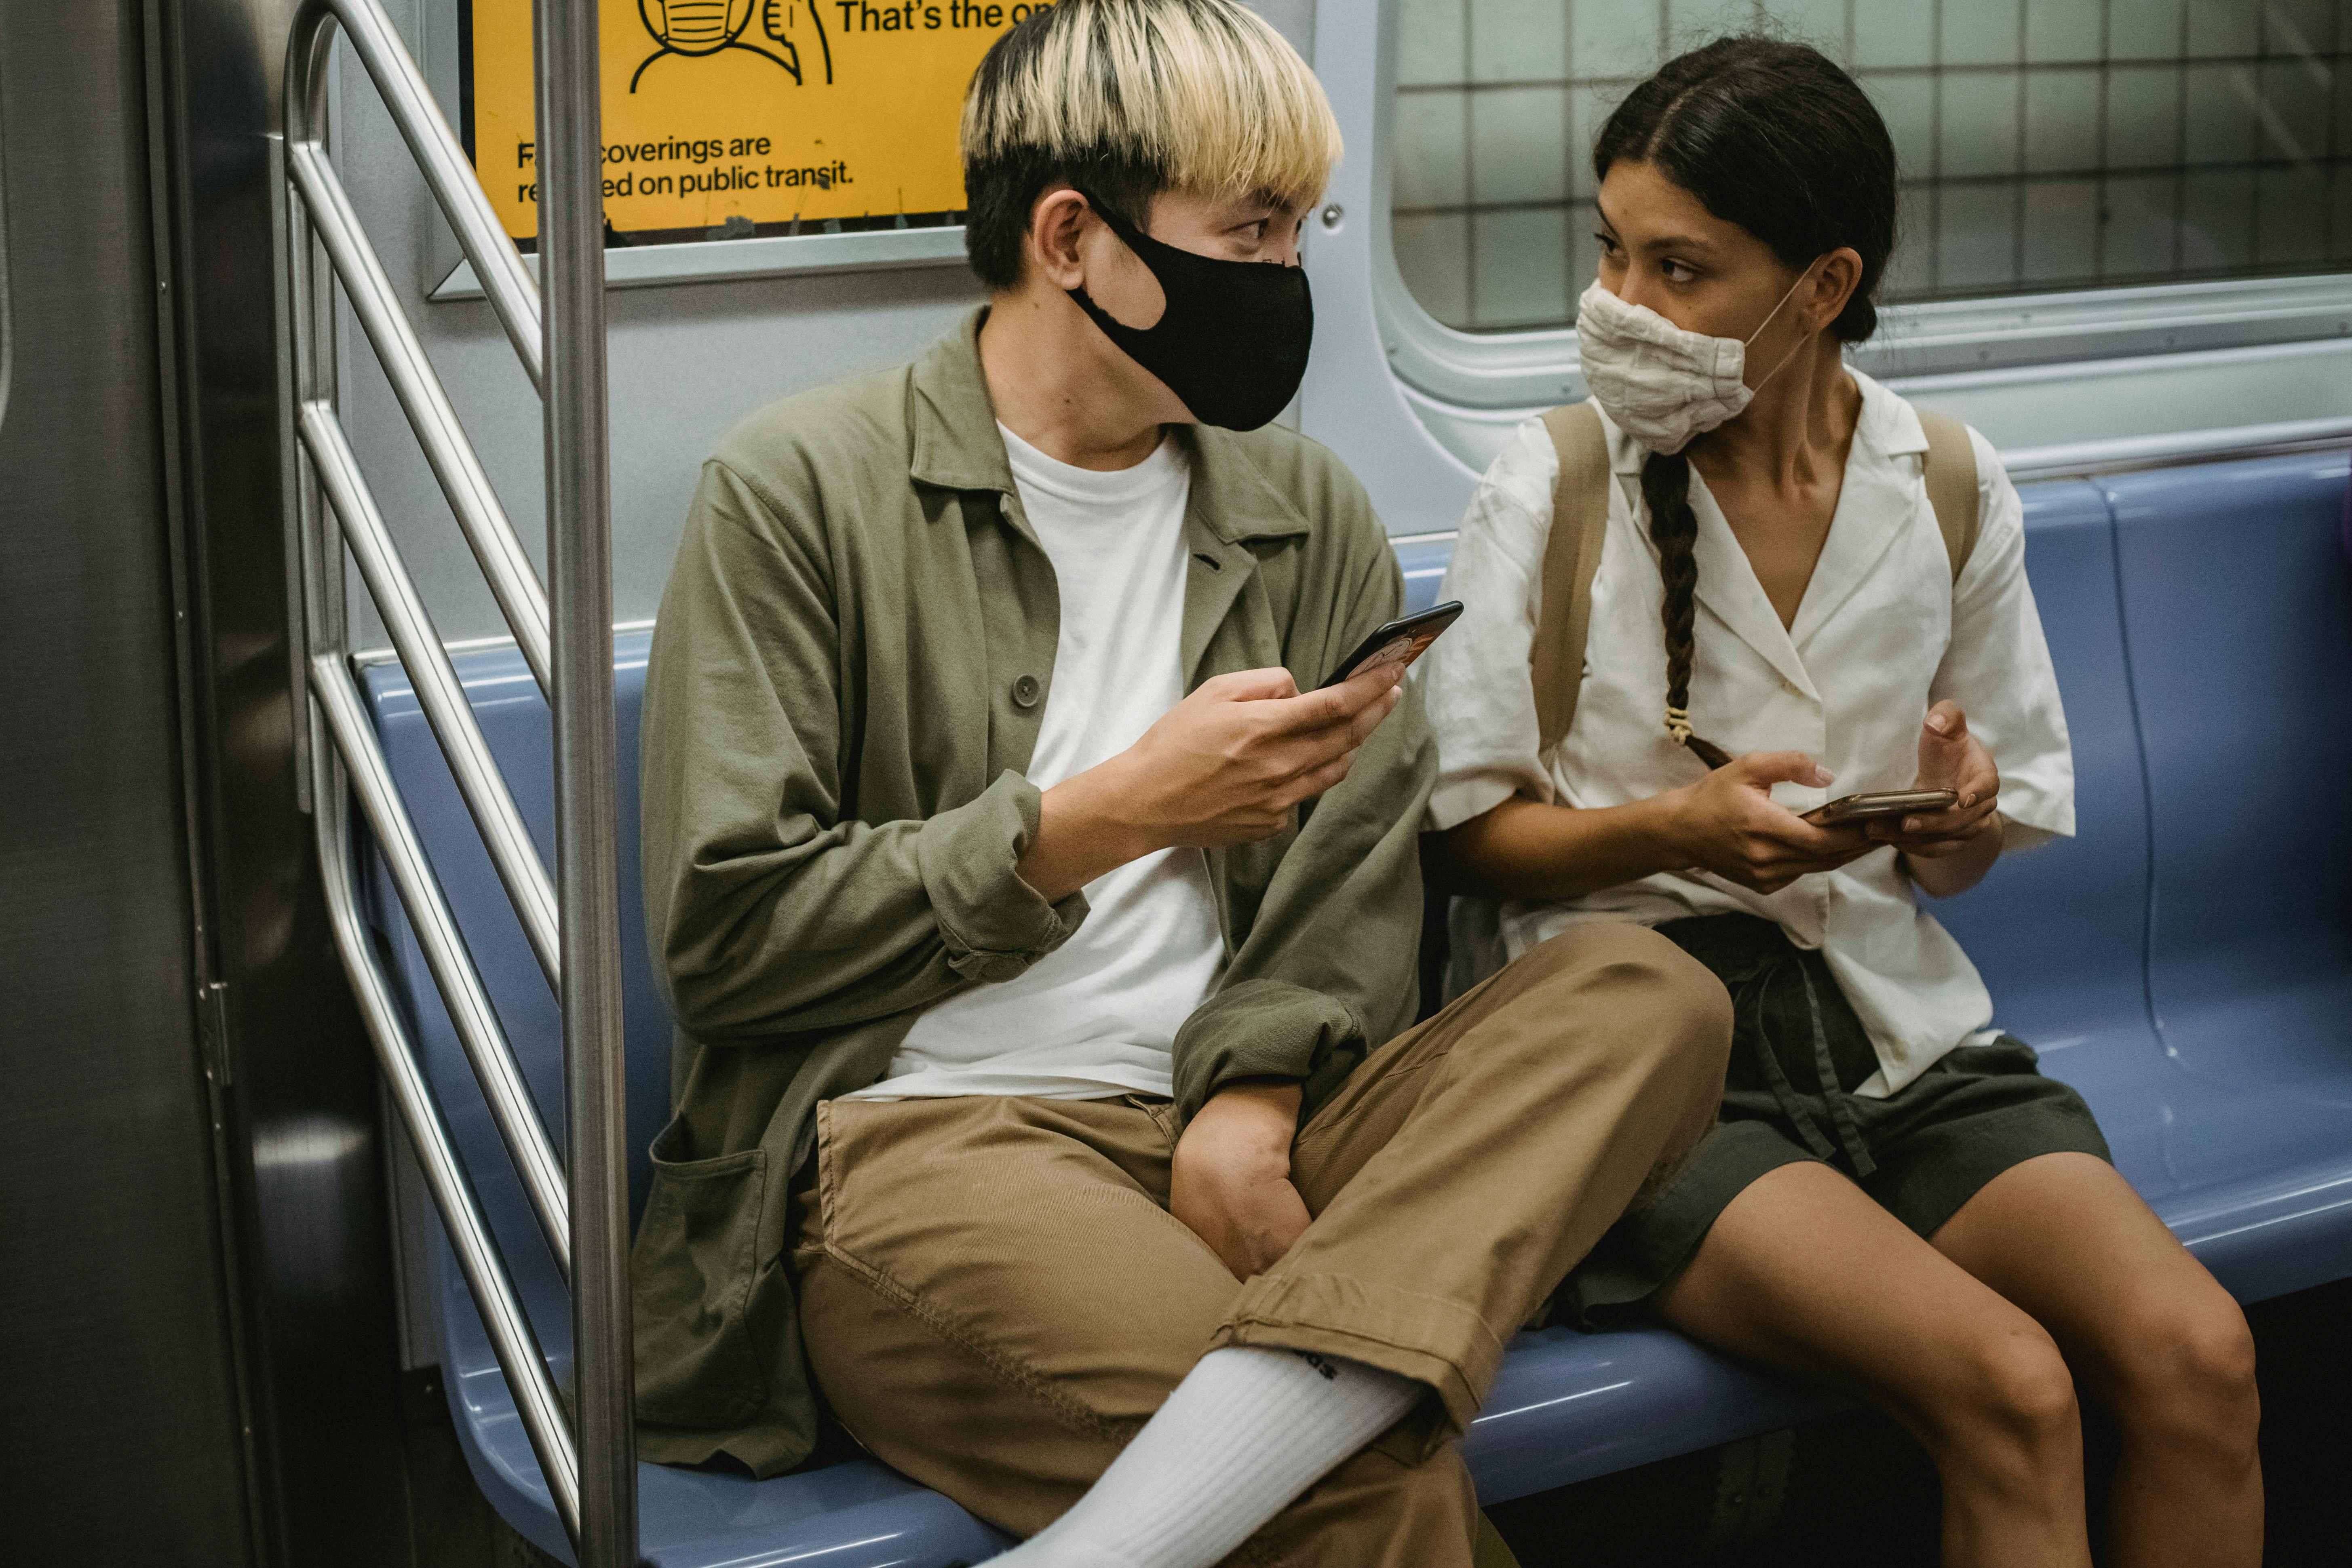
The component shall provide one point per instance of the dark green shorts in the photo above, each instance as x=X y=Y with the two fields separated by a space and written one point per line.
x=1922 y=1151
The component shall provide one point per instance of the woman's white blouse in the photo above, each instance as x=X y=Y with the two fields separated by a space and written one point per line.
x=1881 y=634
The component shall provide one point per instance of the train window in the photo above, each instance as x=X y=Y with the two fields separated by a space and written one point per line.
x=2045 y=146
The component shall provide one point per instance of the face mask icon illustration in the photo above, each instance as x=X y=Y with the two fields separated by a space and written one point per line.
x=695 y=29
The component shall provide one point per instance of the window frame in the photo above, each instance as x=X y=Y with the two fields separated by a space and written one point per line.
x=1375 y=332
x=1520 y=369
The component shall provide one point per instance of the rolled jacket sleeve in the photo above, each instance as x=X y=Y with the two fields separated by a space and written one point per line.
x=993 y=924
x=771 y=908
x=1997 y=667
x=1324 y=970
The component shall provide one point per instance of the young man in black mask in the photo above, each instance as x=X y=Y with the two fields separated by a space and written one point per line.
x=1041 y=941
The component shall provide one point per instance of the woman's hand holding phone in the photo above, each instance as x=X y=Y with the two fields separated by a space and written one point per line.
x=1728 y=823
x=1948 y=852
x=1949 y=759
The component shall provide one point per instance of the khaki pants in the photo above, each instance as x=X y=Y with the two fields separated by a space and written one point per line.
x=995 y=1298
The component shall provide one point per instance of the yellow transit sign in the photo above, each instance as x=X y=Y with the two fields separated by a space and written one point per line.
x=744 y=113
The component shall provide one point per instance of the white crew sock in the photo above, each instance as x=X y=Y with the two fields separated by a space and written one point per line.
x=1247 y=1431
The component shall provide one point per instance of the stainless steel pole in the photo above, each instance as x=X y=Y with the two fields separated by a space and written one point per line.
x=580 y=571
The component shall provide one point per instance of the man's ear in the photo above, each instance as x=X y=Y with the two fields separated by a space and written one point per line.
x=1056 y=223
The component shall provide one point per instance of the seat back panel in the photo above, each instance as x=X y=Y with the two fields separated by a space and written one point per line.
x=2239 y=619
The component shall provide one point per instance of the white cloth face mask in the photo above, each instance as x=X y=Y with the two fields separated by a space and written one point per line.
x=1658 y=383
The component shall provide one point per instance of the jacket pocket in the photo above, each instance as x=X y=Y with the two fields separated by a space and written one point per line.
x=695 y=1261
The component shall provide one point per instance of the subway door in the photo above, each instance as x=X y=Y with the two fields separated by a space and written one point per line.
x=120 y=1433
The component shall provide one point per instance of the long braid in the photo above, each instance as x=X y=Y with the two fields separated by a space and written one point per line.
x=1674 y=528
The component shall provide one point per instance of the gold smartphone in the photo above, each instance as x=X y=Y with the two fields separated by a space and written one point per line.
x=1886 y=803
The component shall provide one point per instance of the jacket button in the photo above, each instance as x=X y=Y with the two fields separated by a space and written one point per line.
x=1026 y=690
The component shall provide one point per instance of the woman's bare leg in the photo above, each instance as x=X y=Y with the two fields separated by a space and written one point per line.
x=2153 y=1334
x=1804 y=1272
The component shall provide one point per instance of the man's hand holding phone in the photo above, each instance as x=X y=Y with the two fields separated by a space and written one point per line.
x=1226 y=765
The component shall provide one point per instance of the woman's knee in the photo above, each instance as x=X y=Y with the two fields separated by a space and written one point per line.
x=2005 y=1404
x=2185 y=1374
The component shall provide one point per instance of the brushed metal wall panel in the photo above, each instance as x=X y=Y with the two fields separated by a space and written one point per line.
x=304 y=1146
x=119 y=1425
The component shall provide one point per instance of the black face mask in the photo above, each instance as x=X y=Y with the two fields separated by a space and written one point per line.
x=1233 y=340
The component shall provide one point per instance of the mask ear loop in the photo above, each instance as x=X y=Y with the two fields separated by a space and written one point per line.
x=1769 y=315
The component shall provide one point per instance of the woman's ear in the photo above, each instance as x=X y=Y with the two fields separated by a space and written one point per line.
x=1839 y=276
x=1056 y=223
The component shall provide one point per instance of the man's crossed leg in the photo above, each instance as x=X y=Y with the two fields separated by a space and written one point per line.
x=996 y=1300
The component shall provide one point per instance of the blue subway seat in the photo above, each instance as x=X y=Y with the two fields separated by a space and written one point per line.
x=2186 y=961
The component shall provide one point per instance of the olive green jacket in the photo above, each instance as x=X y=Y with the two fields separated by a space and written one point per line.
x=846 y=681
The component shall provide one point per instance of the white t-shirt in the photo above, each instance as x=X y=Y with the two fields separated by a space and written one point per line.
x=1099 y=1015
x=1882 y=633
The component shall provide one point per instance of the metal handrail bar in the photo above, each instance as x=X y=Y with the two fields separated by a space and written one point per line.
x=439 y=157
x=513 y=583
x=454 y=975
x=2122 y=455
x=571 y=101
x=439 y=693
x=2079 y=460
x=511 y=1107
x=336 y=709
x=590 y=1465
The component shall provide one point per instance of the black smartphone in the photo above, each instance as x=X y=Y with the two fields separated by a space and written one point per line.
x=1888 y=803
x=1401 y=641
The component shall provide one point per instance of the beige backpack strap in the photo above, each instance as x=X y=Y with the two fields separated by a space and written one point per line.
x=1579 y=523
x=1952 y=485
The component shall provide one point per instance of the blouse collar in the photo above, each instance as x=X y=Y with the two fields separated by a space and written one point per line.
x=1875 y=507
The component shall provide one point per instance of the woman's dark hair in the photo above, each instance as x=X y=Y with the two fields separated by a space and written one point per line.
x=1774 y=137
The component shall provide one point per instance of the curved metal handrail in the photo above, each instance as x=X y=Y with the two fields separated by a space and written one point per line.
x=2122 y=455
x=572 y=921
x=439 y=690
x=439 y=157
x=338 y=711
x=513 y=581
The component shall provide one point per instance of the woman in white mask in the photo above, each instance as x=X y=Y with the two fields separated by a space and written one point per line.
x=1895 y=1201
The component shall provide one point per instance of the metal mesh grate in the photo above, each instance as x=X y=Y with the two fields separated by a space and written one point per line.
x=2044 y=144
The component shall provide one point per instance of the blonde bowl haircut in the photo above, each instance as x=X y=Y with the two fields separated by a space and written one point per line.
x=1131 y=98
